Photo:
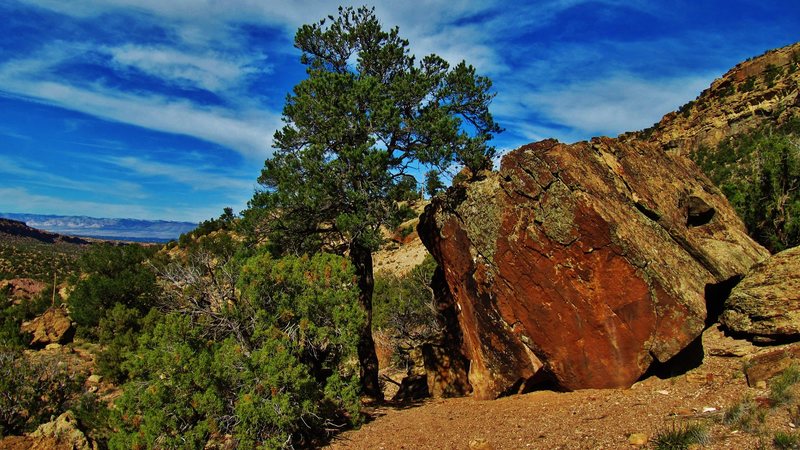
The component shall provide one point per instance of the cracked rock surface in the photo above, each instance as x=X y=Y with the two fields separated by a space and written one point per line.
x=584 y=264
x=766 y=304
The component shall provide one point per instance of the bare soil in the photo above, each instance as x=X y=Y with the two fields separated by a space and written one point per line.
x=586 y=419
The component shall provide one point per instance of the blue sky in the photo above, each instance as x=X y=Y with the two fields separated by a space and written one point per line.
x=165 y=109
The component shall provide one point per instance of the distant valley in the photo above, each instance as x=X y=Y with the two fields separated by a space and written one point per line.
x=101 y=228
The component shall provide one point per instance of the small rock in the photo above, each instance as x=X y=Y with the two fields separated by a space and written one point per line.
x=480 y=444
x=53 y=346
x=663 y=392
x=767 y=363
x=708 y=409
x=637 y=439
x=94 y=379
x=761 y=384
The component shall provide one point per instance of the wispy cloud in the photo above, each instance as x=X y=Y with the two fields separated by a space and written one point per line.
x=622 y=102
x=38 y=174
x=245 y=128
x=208 y=179
x=211 y=71
x=248 y=132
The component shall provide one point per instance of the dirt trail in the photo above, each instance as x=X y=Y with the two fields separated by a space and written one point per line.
x=587 y=419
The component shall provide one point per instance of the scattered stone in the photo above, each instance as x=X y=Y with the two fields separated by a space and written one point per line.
x=637 y=439
x=766 y=364
x=590 y=260
x=729 y=352
x=716 y=343
x=708 y=409
x=52 y=346
x=663 y=392
x=761 y=384
x=765 y=305
x=700 y=378
x=480 y=444
x=94 y=379
x=53 y=326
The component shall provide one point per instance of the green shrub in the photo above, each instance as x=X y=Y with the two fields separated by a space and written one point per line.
x=118 y=331
x=171 y=398
x=780 y=388
x=786 y=441
x=759 y=173
x=771 y=73
x=33 y=390
x=272 y=366
x=404 y=307
x=745 y=415
x=681 y=437
x=112 y=274
x=94 y=418
x=748 y=85
x=12 y=316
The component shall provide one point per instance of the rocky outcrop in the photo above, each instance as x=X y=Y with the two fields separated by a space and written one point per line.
x=766 y=304
x=52 y=327
x=584 y=264
x=19 y=289
x=770 y=362
x=762 y=89
x=60 y=434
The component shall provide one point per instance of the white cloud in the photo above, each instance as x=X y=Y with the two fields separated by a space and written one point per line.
x=208 y=70
x=196 y=179
x=621 y=102
x=37 y=174
x=247 y=132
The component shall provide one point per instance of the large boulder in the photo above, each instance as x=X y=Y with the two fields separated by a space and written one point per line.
x=766 y=304
x=584 y=263
x=52 y=327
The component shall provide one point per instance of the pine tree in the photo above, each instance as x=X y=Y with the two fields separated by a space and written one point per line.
x=365 y=114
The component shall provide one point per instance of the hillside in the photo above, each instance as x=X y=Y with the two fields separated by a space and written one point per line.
x=103 y=228
x=27 y=252
x=760 y=90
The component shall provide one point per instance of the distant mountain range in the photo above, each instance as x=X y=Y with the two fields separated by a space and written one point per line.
x=116 y=229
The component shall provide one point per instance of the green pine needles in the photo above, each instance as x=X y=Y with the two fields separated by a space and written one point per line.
x=367 y=112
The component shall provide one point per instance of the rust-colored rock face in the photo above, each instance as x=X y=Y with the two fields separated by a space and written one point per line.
x=583 y=262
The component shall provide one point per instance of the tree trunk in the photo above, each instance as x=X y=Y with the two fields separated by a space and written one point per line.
x=361 y=257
